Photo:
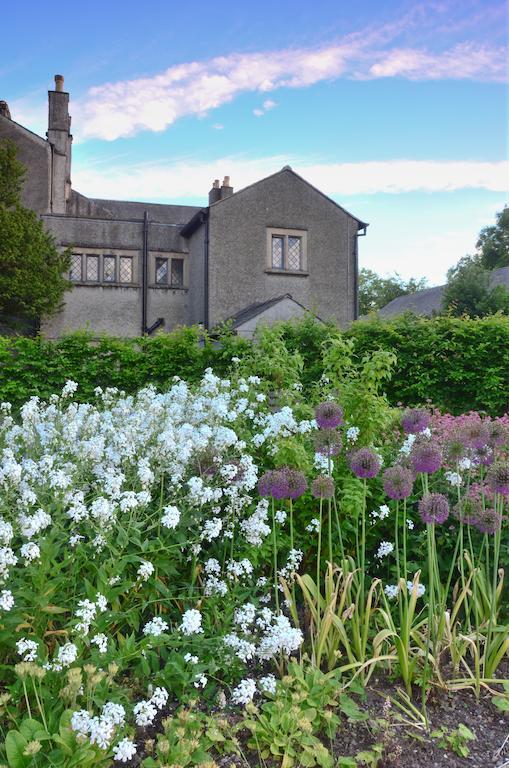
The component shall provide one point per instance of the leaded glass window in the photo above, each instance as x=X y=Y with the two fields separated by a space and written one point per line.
x=75 y=267
x=126 y=269
x=278 y=259
x=109 y=269
x=92 y=268
x=177 y=272
x=294 y=253
x=162 y=271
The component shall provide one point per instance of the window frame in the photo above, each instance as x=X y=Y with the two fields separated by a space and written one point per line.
x=115 y=269
x=96 y=256
x=119 y=257
x=285 y=234
x=80 y=278
x=181 y=261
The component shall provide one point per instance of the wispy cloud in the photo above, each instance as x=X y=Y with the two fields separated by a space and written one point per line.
x=126 y=107
x=267 y=104
x=192 y=179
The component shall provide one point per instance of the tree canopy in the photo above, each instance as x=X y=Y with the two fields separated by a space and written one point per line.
x=376 y=291
x=32 y=282
x=493 y=242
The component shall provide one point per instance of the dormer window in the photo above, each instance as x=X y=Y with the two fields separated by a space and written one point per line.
x=287 y=250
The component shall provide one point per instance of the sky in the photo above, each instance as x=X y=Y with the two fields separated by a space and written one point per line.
x=395 y=109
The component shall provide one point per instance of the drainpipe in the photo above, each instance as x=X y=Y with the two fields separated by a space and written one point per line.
x=206 y=319
x=356 y=271
x=144 y=275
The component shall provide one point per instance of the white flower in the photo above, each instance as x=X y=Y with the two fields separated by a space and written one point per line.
x=113 y=713
x=145 y=570
x=454 y=479
x=66 y=654
x=191 y=622
x=352 y=434
x=313 y=526
x=385 y=548
x=124 y=750
x=421 y=589
x=144 y=713
x=391 y=590
x=171 y=517
x=407 y=445
x=267 y=684
x=155 y=627
x=464 y=463
x=159 y=698
x=27 y=649
x=190 y=658
x=244 y=691
x=410 y=524
x=101 y=641
x=80 y=722
x=30 y=551
x=200 y=682
x=280 y=516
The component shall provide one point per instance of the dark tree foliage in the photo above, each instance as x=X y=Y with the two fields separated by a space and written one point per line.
x=376 y=291
x=32 y=282
x=493 y=242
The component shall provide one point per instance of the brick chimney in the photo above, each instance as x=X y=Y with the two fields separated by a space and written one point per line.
x=215 y=192
x=226 y=189
x=59 y=136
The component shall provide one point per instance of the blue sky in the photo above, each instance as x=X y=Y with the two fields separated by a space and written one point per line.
x=397 y=110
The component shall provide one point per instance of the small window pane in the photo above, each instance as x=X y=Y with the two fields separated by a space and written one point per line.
x=126 y=269
x=93 y=268
x=162 y=271
x=177 y=272
x=294 y=253
x=278 y=253
x=75 y=267
x=109 y=264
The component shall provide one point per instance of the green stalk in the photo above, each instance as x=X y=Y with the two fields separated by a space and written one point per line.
x=274 y=556
x=318 y=580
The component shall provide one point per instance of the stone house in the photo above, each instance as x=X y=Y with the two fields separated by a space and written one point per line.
x=266 y=252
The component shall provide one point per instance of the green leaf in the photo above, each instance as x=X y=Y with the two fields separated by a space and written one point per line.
x=15 y=745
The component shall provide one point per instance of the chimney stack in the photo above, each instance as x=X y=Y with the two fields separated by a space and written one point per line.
x=5 y=112
x=215 y=192
x=226 y=189
x=59 y=136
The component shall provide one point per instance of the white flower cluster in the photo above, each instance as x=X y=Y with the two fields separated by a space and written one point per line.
x=385 y=548
x=191 y=622
x=391 y=590
x=100 y=729
x=146 y=710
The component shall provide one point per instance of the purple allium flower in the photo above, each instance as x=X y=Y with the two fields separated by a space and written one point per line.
x=425 y=456
x=497 y=478
x=398 y=482
x=455 y=448
x=329 y=415
x=489 y=521
x=499 y=434
x=279 y=487
x=265 y=484
x=328 y=442
x=365 y=463
x=414 y=420
x=323 y=487
x=296 y=483
x=475 y=434
x=434 y=508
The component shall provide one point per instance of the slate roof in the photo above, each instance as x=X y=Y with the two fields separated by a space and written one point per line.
x=158 y=212
x=257 y=308
x=430 y=299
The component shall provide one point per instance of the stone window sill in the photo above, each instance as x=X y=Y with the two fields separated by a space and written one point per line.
x=98 y=284
x=168 y=287
x=287 y=273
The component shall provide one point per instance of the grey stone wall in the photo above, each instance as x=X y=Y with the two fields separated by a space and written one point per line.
x=238 y=249
x=35 y=154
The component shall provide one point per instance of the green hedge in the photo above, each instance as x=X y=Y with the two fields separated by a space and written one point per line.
x=457 y=364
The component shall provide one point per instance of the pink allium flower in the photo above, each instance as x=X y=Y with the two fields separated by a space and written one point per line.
x=323 y=487
x=365 y=463
x=414 y=420
x=296 y=483
x=398 y=482
x=425 y=456
x=329 y=415
x=434 y=508
x=497 y=478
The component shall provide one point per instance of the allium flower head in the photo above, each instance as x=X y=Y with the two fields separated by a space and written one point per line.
x=323 y=487
x=497 y=478
x=425 y=456
x=434 y=508
x=398 y=482
x=484 y=456
x=414 y=420
x=498 y=434
x=468 y=510
x=329 y=415
x=274 y=483
x=296 y=483
x=475 y=434
x=365 y=463
x=489 y=521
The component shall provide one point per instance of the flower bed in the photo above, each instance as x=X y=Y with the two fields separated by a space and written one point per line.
x=204 y=546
